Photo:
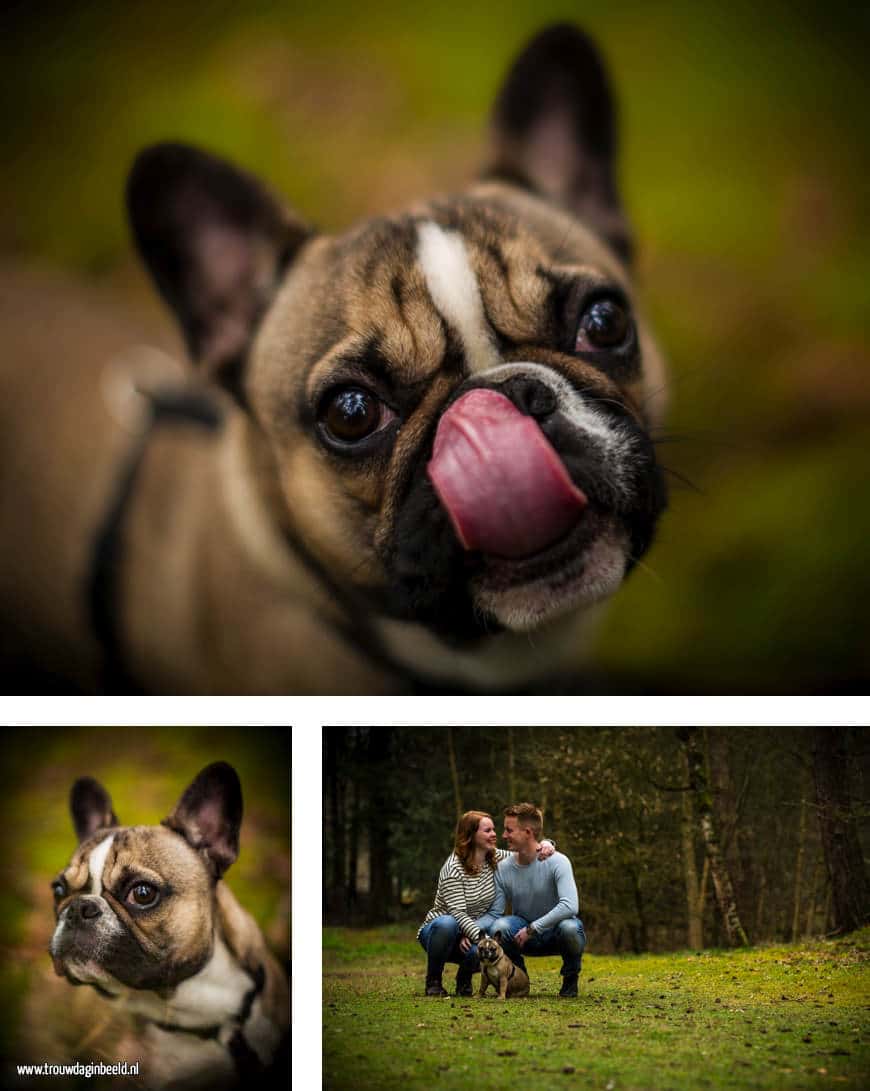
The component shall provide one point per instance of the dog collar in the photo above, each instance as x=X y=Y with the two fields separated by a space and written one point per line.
x=244 y=1057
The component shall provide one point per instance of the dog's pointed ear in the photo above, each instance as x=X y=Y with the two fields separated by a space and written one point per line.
x=209 y=815
x=91 y=808
x=553 y=130
x=216 y=243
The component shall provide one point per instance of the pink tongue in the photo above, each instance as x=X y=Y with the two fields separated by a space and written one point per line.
x=502 y=484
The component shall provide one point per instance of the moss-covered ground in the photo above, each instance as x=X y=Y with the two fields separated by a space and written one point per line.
x=774 y=1017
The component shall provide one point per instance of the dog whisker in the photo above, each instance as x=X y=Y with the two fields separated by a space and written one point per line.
x=649 y=570
x=686 y=481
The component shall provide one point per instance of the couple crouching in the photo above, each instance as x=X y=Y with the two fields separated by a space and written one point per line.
x=476 y=882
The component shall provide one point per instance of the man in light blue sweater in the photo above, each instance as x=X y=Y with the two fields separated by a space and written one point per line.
x=543 y=897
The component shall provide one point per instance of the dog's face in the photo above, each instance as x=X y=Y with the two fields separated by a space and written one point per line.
x=451 y=405
x=488 y=949
x=135 y=905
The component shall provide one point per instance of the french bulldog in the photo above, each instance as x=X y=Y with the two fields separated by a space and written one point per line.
x=144 y=917
x=430 y=460
x=496 y=969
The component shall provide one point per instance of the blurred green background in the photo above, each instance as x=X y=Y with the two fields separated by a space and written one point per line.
x=145 y=770
x=744 y=164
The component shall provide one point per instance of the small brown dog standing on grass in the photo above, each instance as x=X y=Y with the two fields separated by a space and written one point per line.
x=496 y=969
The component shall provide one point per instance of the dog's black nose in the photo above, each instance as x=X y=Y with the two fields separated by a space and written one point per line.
x=530 y=396
x=89 y=908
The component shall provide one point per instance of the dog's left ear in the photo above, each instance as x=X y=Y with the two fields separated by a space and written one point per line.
x=554 y=130
x=216 y=242
x=209 y=815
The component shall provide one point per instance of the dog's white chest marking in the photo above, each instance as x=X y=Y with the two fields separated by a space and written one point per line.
x=96 y=863
x=455 y=292
x=213 y=996
x=215 y=992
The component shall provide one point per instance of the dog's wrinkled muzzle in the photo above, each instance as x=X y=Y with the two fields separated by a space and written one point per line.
x=500 y=481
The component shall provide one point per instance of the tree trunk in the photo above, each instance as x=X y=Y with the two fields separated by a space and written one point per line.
x=850 y=894
x=724 y=890
x=454 y=774
x=336 y=895
x=694 y=906
x=826 y=912
x=554 y=825
x=702 y=886
x=379 y=804
x=353 y=848
x=809 y=929
x=642 y=931
x=729 y=800
x=798 y=872
x=761 y=904
x=512 y=786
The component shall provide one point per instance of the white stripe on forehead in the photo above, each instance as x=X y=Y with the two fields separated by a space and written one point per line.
x=455 y=292
x=96 y=863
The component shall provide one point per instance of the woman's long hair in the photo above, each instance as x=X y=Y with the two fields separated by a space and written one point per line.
x=463 y=841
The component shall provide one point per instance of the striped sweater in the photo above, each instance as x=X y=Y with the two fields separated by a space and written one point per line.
x=463 y=896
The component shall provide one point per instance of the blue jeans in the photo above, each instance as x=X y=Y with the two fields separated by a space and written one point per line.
x=567 y=939
x=440 y=940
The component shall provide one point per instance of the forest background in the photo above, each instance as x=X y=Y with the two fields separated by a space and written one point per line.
x=690 y=837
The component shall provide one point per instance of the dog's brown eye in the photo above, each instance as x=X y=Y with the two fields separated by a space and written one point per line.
x=351 y=413
x=58 y=888
x=605 y=324
x=142 y=894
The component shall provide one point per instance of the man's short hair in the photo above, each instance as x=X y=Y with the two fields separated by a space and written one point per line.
x=528 y=816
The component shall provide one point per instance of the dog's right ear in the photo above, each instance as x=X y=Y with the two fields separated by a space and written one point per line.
x=216 y=243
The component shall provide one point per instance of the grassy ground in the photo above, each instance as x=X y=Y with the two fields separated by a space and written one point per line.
x=773 y=1017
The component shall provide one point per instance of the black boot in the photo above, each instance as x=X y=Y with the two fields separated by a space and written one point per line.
x=463 y=981
x=434 y=970
x=569 y=986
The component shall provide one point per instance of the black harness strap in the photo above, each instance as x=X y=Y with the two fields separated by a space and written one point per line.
x=361 y=634
x=168 y=407
x=198 y=1032
x=245 y=1059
